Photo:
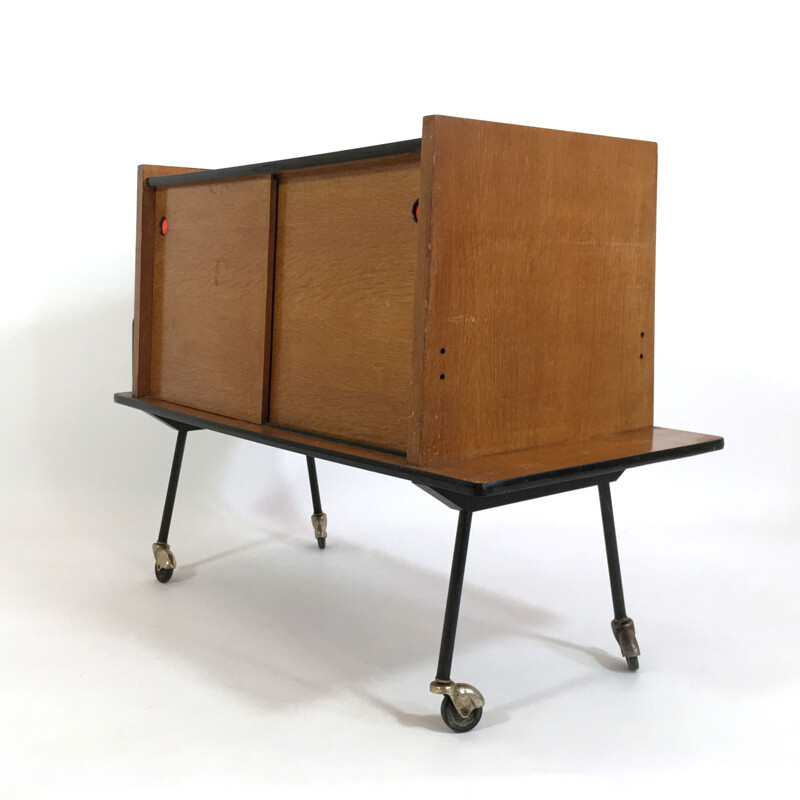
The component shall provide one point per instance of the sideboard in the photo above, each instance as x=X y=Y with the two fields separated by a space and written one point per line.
x=471 y=311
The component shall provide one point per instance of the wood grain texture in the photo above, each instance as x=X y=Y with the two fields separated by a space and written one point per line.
x=576 y=453
x=344 y=274
x=143 y=299
x=212 y=296
x=477 y=474
x=536 y=278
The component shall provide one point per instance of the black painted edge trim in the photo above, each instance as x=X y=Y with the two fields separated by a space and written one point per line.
x=473 y=503
x=287 y=164
x=421 y=476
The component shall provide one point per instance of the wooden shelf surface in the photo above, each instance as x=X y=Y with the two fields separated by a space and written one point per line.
x=482 y=476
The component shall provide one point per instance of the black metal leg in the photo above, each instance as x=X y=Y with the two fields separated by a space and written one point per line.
x=165 y=560
x=319 y=519
x=312 y=479
x=172 y=487
x=454 y=596
x=622 y=624
x=462 y=705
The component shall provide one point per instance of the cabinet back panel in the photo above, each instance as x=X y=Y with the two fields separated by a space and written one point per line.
x=535 y=288
x=212 y=296
x=346 y=252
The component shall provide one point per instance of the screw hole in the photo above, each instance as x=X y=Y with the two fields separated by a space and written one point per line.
x=442 y=351
x=641 y=355
x=642 y=334
x=441 y=377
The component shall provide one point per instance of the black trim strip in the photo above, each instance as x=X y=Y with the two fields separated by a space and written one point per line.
x=287 y=164
x=419 y=475
x=471 y=503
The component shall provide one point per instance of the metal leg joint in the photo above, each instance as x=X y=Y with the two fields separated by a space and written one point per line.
x=465 y=698
x=625 y=634
x=164 y=556
x=320 y=523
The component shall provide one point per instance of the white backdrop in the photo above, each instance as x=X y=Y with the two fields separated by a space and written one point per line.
x=269 y=665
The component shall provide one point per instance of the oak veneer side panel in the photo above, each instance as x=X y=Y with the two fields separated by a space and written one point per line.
x=143 y=294
x=344 y=275
x=211 y=298
x=541 y=289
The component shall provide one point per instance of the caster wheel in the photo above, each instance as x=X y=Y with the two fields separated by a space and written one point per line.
x=455 y=721
x=163 y=575
x=321 y=544
x=633 y=663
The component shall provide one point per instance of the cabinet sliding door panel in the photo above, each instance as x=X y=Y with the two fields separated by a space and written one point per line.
x=344 y=279
x=212 y=281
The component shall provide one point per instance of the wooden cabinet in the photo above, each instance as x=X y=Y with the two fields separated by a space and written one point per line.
x=483 y=289
x=471 y=311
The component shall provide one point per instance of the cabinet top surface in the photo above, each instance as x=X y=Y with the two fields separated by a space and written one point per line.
x=324 y=159
x=287 y=164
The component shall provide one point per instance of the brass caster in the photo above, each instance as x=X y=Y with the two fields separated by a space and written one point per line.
x=462 y=705
x=165 y=561
x=320 y=523
x=625 y=634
